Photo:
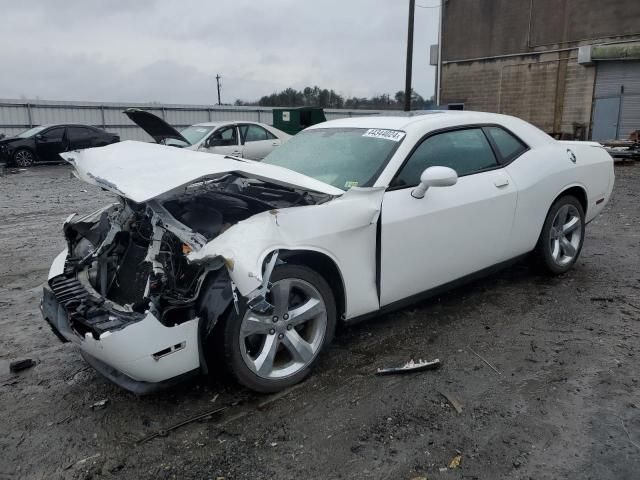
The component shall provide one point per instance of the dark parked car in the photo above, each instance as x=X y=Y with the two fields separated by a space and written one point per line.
x=45 y=142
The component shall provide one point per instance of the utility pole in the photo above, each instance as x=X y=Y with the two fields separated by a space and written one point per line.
x=439 y=66
x=218 y=78
x=407 y=85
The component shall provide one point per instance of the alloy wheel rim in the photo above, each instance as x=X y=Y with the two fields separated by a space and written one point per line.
x=284 y=342
x=24 y=158
x=565 y=235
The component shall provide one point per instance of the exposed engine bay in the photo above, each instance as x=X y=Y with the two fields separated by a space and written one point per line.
x=129 y=258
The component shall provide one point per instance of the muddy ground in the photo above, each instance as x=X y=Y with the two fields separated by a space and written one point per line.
x=565 y=402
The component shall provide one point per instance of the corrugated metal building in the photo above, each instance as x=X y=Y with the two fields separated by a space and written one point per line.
x=18 y=115
x=571 y=67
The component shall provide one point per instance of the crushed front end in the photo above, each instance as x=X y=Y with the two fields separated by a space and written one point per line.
x=126 y=293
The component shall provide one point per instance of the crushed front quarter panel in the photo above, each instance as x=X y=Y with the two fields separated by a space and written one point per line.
x=344 y=229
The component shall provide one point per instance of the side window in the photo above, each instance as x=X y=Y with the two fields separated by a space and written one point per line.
x=508 y=146
x=466 y=151
x=78 y=133
x=254 y=133
x=225 y=136
x=54 y=134
x=91 y=133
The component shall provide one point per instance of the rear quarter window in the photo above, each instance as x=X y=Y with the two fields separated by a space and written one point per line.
x=509 y=147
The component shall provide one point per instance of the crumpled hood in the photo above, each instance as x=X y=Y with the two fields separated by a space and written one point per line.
x=143 y=171
x=5 y=140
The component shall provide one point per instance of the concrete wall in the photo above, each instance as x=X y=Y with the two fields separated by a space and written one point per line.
x=550 y=90
x=482 y=28
x=502 y=56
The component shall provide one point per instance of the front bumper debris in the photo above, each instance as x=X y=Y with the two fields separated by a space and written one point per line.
x=141 y=357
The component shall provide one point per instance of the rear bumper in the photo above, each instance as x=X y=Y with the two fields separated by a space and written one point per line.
x=140 y=357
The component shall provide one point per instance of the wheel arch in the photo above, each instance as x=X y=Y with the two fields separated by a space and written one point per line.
x=324 y=265
x=577 y=191
x=24 y=147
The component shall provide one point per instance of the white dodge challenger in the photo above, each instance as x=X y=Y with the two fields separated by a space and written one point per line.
x=250 y=264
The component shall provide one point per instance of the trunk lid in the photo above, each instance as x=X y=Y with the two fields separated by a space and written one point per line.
x=143 y=171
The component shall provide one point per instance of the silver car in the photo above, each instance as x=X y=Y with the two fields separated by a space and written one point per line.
x=251 y=140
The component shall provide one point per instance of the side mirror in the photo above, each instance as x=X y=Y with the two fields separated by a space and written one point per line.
x=39 y=137
x=216 y=142
x=435 y=177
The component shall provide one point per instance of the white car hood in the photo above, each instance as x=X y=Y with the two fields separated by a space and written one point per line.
x=143 y=171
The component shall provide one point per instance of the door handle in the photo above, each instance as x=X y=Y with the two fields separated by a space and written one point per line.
x=501 y=182
x=235 y=154
x=275 y=144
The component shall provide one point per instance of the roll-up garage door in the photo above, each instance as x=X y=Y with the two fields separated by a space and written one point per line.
x=616 y=104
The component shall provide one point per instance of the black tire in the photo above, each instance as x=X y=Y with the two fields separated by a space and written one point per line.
x=231 y=334
x=24 y=158
x=558 y=262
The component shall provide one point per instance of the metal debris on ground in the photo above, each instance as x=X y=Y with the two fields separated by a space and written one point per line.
x=81 y=462
x=100 y=404
x=484 y=360
x=455 y=462
x=19 y=365
x=165 y=431
x=453 y=401
x=410 y=366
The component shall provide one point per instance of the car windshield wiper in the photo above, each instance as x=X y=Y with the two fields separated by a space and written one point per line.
x=237 y=158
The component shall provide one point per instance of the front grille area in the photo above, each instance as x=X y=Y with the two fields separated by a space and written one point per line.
x=86 y=313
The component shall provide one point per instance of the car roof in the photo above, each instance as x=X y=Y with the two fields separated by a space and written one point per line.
x=225 y=122
x=413 y=119
x=49 y=125
x=417 y=124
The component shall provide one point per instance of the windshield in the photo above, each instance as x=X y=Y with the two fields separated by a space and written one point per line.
x=342 y=157
x=31 y=132
x=195 y=133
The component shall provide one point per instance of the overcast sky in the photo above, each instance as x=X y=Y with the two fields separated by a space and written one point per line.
x=170 y=51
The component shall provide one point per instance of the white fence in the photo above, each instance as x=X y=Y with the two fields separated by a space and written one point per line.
x=18 y=115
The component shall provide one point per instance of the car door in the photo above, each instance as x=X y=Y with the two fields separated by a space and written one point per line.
x=257 y=142
x=453 y=231
x=79 y=138
x=224 y=141
x=98 y=138
x=50 y=144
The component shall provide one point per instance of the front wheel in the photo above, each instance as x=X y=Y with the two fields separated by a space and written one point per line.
x=270 y=352
x=24 y=158
x=562 y=236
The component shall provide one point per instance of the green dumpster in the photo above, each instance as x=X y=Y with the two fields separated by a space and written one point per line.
x=292 y=120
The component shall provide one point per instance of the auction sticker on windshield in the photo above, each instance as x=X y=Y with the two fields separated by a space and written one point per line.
x=393 y=135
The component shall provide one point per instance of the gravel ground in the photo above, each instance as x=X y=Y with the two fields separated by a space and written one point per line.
x=565 y=402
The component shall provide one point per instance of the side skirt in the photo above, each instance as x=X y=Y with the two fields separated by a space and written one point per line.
x=418 y=297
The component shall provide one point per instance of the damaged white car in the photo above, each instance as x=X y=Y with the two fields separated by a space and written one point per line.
x=251 y=265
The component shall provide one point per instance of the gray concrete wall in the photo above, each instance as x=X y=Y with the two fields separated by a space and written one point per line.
x=482 y=28
x=483 y=68
x=551 y=90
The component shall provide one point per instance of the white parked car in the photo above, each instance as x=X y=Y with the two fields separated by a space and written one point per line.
x=251 y=265
x=252 y=140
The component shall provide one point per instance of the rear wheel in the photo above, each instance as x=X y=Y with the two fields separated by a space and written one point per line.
x=23 y=157
x=270 y=352
x=562 y=236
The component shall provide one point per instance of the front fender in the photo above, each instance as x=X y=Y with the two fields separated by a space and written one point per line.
x=343 y=229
